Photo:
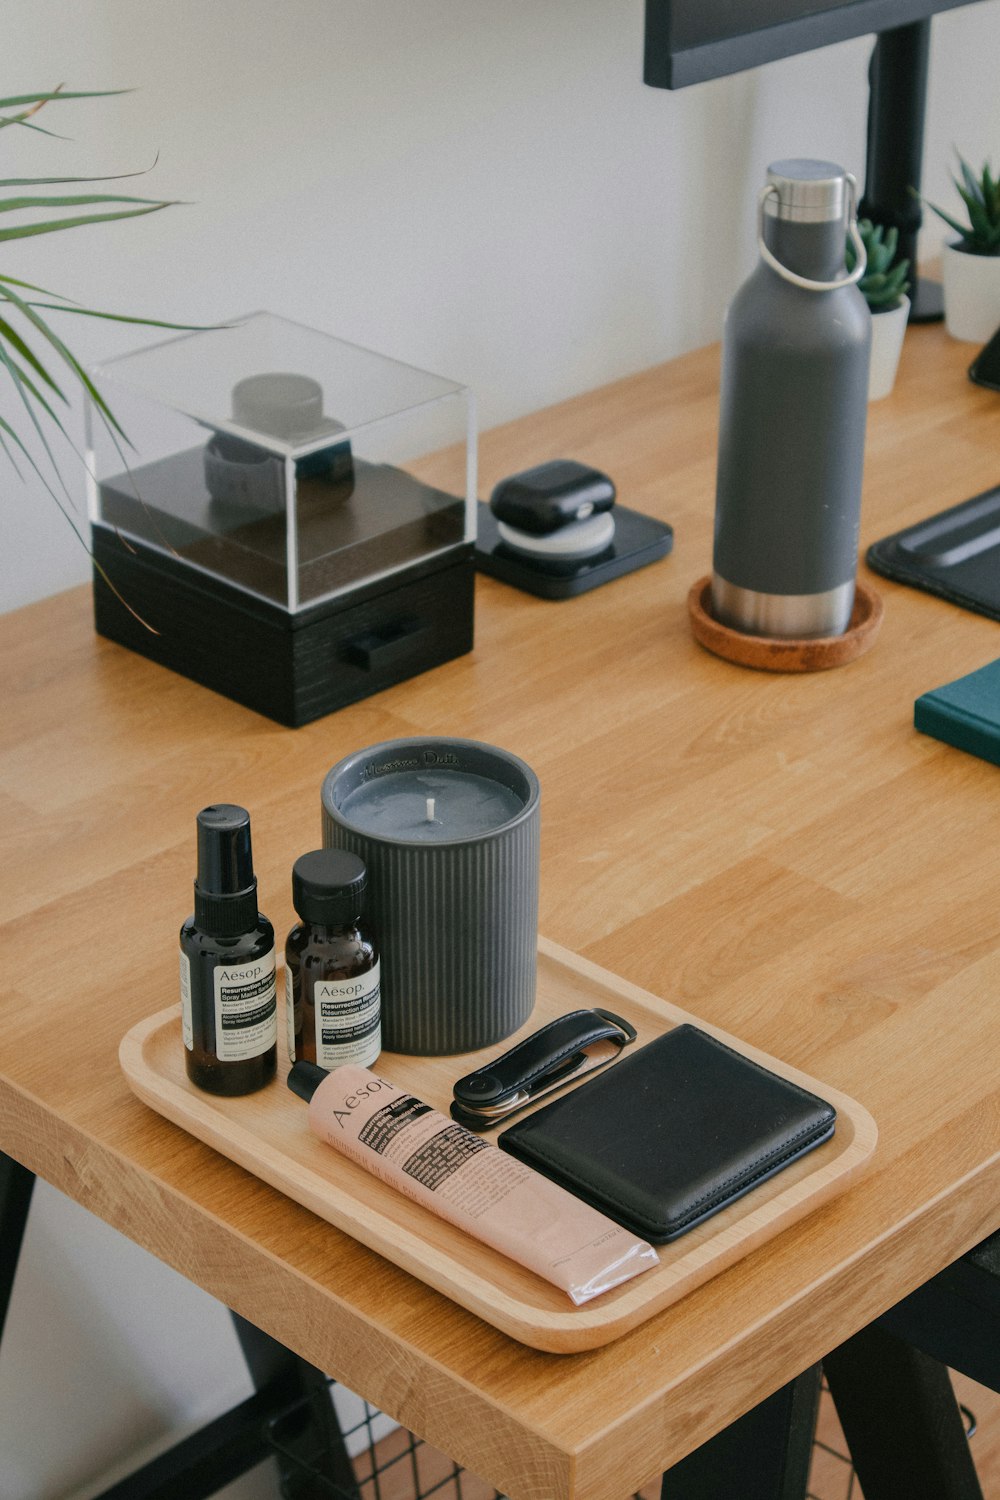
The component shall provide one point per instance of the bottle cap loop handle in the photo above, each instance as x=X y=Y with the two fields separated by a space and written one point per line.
x=860 y=264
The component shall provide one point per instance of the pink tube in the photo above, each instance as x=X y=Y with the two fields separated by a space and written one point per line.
x=462 y=1178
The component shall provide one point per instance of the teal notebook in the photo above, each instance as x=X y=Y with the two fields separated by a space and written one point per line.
x=965 y=713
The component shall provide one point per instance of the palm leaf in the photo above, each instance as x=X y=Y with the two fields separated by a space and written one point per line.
x=15 y=376
x=6 y=182
x=91 y=312
x=19 y=383
x=36 y=394
x=65 y=354
x=17 y=342
x=30 y=286
x=14 y=100
x=23 y=120
x=70 y=520
x=9 y=456
x=70 y=200
x=30 y=377
x=52 y=226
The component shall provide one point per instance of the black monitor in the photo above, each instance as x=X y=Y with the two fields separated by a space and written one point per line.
x=689 y=41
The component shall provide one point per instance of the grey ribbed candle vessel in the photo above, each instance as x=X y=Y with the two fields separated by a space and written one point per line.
x=449 y=831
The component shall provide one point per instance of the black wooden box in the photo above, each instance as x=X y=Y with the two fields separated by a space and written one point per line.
x=270 y=534
x=292 y=666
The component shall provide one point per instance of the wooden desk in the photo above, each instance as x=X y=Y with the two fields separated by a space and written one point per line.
x=783 y=856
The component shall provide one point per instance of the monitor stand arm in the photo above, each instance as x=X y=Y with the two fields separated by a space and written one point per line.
x=897 y=78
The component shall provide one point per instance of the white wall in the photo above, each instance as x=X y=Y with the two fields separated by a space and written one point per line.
x=487 y=190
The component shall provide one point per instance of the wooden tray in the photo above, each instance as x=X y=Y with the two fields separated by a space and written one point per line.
x=267 y=1133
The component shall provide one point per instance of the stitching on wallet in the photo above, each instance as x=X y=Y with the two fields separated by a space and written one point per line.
x=760 y=1167
x=745 y=1179
x=756 y=1170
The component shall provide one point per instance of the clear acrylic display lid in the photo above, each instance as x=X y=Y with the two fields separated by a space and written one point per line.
x=280 y=459
x=197 y=373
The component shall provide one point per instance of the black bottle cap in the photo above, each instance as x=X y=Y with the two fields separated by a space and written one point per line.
x=225 y=891
x=328 y=886
x=304 y=1079
x=225 y=861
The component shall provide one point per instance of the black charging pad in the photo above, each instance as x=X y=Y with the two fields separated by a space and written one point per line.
x=638 y=540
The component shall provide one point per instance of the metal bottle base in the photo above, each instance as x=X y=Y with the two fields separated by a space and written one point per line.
x=789 y=616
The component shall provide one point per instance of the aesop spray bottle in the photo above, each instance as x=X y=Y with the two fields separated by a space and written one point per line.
x=228 y=1001
x=794 y=403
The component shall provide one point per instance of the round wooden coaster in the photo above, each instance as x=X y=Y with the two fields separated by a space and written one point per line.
x=775 y=654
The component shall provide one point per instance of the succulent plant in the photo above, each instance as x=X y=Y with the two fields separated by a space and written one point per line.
x=981 y=196
x=886 y=280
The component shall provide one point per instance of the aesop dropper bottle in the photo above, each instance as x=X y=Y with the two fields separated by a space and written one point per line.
x=228 y=1000
x=332 y=968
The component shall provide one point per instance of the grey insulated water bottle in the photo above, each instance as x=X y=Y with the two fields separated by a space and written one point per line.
x=794 y=400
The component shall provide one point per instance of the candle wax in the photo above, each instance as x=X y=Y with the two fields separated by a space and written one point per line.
x=463 y=805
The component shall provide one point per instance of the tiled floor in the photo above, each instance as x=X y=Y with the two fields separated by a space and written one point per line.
x=831 y=1476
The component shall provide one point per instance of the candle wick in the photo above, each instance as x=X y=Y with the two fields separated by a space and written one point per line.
x=430 y=809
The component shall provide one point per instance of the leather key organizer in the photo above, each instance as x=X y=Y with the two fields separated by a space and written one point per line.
x=559 y=1053
x=671 y=1134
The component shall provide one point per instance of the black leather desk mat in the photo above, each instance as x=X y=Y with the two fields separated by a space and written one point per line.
x=954 y=554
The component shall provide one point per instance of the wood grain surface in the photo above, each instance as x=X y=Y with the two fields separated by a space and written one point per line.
x=782 y=856
x=268 y=1134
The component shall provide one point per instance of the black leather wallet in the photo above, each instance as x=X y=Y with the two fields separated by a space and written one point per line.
x=671 y=1134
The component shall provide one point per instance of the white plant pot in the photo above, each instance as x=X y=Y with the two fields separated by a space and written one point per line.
x=971 y=294
x=888 y=329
